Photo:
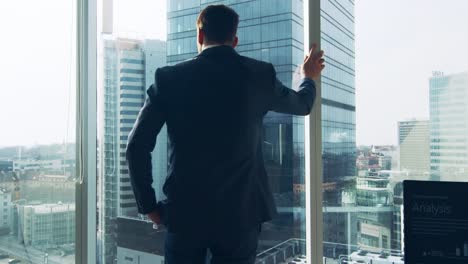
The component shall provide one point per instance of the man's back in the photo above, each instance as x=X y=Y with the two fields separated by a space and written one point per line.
x=214 y=120
x=213 y=106
x=217 y=189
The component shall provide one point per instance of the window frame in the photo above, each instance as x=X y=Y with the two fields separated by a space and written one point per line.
x=86 y=131
x=313 y=145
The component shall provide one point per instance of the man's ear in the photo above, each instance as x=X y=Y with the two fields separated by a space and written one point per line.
x=234 y=43
x=200 y=37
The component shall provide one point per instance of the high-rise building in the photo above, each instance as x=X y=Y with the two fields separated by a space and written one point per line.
x=413 y=140
x=129 y=66
x=272 y=30
x=338 y=125
x=338 y=98
x=448 y=126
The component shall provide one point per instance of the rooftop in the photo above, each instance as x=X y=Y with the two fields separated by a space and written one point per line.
x=51 y=208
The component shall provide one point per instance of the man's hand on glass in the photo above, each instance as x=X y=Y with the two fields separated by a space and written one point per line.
x=313 y=63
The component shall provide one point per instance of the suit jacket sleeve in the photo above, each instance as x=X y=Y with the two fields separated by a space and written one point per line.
x=288 y=101
x=141 y=142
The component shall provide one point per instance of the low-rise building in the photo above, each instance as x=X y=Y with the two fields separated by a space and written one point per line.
x=55 y=165
x=47 y=224
x=373 y=191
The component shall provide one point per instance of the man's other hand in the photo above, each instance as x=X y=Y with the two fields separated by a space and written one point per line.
x=313 y=63
x=155 y=217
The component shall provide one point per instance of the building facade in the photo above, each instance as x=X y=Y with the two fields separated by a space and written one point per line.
x=338 y=125
x=413 y=140
x=6 y=213
x=53 y=165
x=448 y=98
x=338 y=98
x=397 y=225
x=129 y=66
x=47 y=224
x=373 y=192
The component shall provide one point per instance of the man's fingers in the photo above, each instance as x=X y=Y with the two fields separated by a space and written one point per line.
x=318 y=55
x=314 y=56
x=311 y=52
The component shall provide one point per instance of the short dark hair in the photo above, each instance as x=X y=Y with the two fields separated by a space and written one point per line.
x=219 y=23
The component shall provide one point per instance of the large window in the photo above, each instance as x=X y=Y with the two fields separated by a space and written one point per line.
x=37 y=134
x=394 y=107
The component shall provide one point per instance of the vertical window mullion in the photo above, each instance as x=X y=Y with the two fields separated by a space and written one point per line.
x=86 y=131
x=313 y=142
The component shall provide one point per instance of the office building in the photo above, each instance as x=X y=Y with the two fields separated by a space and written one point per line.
x=397 y=223
x=373 y=192
x=338 y=124
x=129 y=66
x=448 y=97
x=47 y=224
x=6 y=206
x=338 y=97
x=413 y=140
x=52 y=165
x=273 y=31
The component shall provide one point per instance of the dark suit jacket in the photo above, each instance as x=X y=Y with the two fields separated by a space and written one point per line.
x=213 y=106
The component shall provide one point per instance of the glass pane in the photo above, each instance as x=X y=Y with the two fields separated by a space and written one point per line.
x=135 y=39
x=406 y=70
x=37 y=142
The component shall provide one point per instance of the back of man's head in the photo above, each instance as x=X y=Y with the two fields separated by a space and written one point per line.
x=218 y=23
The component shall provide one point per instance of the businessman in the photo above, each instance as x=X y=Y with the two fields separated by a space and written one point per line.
x=217 y=188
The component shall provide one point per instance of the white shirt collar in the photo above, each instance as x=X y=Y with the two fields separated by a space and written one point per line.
x=211 y=46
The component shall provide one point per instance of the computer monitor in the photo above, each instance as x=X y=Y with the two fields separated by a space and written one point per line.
x=435 y=222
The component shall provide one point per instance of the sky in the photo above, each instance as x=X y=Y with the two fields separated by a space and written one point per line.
x=399 y=43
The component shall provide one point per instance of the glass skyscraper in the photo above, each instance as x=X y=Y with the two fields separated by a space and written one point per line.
x=449 y=126
x=338 y=126
x=338 y=98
